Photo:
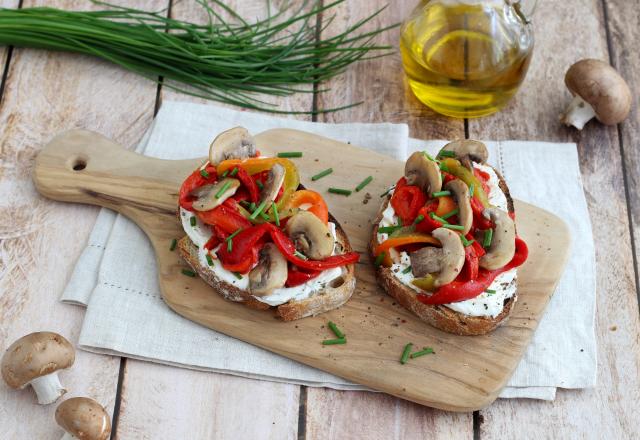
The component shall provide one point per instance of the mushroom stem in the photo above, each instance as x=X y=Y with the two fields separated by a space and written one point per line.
x=48 y=388
x=578 y=113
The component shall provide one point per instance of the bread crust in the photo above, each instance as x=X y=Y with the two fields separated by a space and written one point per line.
x=439 y=316
x=335 y=294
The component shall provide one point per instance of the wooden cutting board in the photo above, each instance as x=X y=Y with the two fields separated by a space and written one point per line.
x=465 y=374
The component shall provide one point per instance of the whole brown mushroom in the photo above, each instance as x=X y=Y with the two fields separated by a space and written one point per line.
x=35 y=360
x=599 y=91
x=83 y=418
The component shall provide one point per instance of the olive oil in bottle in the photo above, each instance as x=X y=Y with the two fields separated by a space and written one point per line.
x=466 y=58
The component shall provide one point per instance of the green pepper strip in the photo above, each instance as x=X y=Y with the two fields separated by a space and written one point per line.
x=457 y=169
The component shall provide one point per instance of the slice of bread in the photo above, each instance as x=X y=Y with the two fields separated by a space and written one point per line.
x=335 y=294
x=440 y=316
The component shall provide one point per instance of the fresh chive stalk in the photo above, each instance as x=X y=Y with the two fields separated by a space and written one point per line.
x=426 y=350
x=204 y=173
x=379 y=259
x=234 y=172
x=418 y=219
x=388 y=229
x=405 y=353
x=290 y=154
x=258 y=210
x=454 y=227
x=364 y=183
x=441 y=194
x=488 y=237
x=260 y=184
x=237 y=275
x=321 y=174
x=490 y=291
x=343 y=192
x=222 y=190
x=336 y=331
x=465 y=242
x=276 y=215
x=338 y=341
x=407 y=270
x=300 y=255
x=192 y=220
x=230 y=61
x=174 y=243
x=225 y=173
x=230 y=239
x=450 y=214
x=386 y=192
x=440 y=219
x=188 y=273
x=209 y=260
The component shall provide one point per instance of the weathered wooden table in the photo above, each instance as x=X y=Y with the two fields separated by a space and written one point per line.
x=43 y=93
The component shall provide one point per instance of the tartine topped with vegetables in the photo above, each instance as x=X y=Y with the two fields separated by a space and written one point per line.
x=257 y=237
x=445 y=242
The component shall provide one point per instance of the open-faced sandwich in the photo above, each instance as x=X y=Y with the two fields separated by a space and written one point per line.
x=259 y=238
x=445 y=240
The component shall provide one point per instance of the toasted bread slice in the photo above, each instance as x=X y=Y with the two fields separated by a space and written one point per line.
x=335 y=294
x=440 y=316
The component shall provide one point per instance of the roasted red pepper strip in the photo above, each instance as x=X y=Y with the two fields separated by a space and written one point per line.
x=225 y=217
x=479 y=220
x=250 y=184
x=463 y=290
x=428 y=224
x=297 y=277
x=407 y=201
x=244 y=249
x=195 y=180
x=483 y=178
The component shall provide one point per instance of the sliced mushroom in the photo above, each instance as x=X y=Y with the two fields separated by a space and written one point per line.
x=310 y=235
x=273 y=184
x=503 y=243
x=460 y=192
x=235 y=143
x=423 y=172
x=270 y=273
x=447 y=261
x=467 y=151
x=206 y=195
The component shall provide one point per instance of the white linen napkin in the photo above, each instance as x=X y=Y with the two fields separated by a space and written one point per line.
x=115 y=276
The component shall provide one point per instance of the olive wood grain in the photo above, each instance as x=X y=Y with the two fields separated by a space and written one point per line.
x=466 y=373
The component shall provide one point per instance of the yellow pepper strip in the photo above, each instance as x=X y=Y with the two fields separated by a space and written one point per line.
x=445 y=205
x=426 y=283
x=462 y=173
x=259 y=164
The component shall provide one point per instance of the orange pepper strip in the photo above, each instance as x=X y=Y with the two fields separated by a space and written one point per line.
x=306 y=196
x=445 y=205
x=401 y=241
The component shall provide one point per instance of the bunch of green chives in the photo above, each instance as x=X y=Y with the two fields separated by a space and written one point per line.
x=228 y=61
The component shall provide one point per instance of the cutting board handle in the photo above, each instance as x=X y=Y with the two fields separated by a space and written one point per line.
x=85 y=167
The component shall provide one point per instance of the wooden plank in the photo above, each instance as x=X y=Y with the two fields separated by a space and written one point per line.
x=624 y=31
x=387 y=98
x=611 y=408
x=231 y=397
x=46 y=93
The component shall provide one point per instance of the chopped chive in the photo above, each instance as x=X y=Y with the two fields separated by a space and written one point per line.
x=192 y=220
x=265 y=216
x=490 y=291
x=237 y=275
x=407 y=270
x=405 y=353
x=471 y=189
x=364 y=183
x=174 y=243
x=454 y=227
x=446 y=153
x=450 y=213
x=225 y=173
x=276 y=216
x=321 y=174
x=387 y=191
x=444 y=167
x=428 y=156
x=488 y=237
x=209 y=260
x=387 y=229
x=336 y=331
x=418 y=219
x=260 y=184
x=379 y=259
x=465 y=242
x=338 y=341
x=258 y=210
x=224 y=188
x=204 y=173
x=344 y=192
x=440 y=219
x=290 y=154
x=300 y=255
x=252 y=206
x=234 y=172
x=188 y=273
x=426 y=350
x=230 y=239
x=441 y=194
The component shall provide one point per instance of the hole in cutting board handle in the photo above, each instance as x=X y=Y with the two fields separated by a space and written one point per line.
x=78 y=163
